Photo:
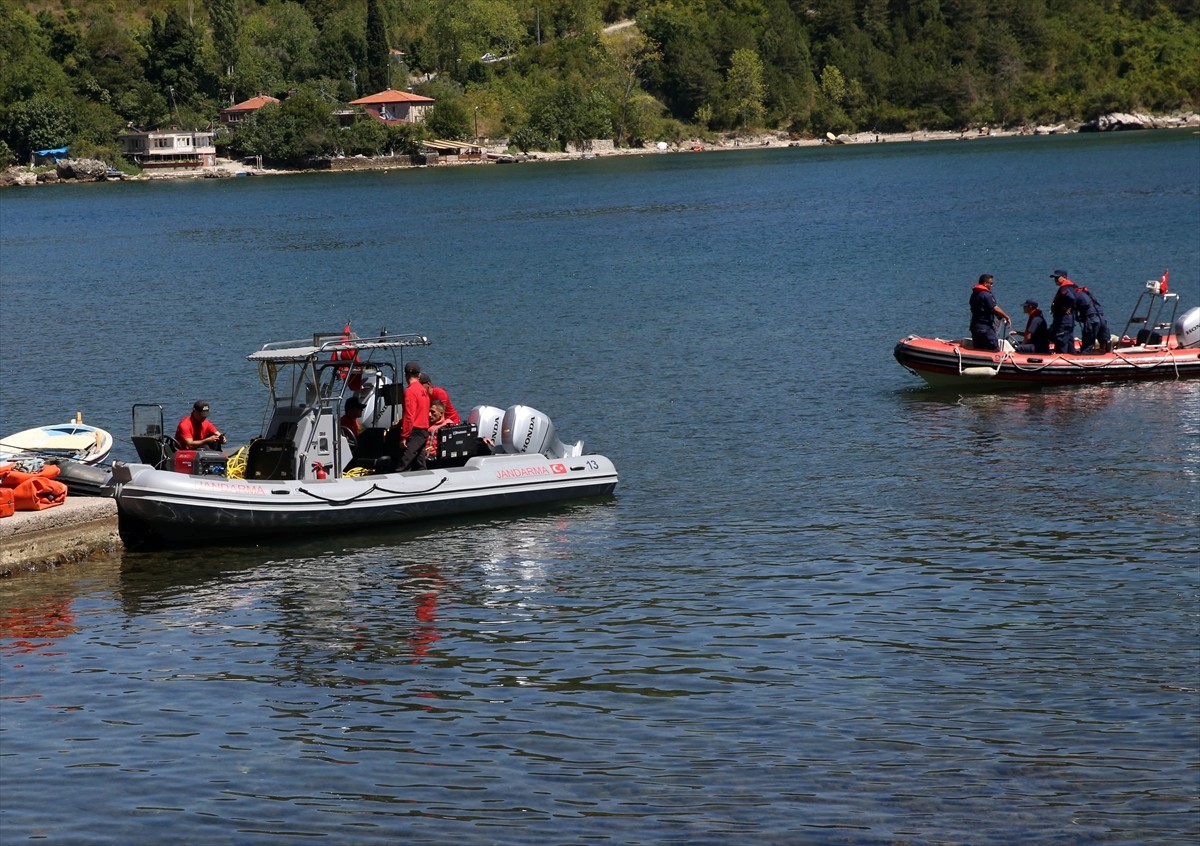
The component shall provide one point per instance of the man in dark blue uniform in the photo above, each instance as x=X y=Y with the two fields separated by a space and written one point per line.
x=1090 y=317
x=1037 y=334
x=1062 y=327
x=984 y=312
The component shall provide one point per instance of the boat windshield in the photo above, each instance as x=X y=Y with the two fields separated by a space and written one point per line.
x=325 y=372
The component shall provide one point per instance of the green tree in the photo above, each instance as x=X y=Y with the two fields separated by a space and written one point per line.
x=277 y=49
x=744 y=88
x=366 y=137
x=39 y=123
x=378 y=51
x=628 y=54
x=226 y=22
x=449 y=119
x=300 y=128
x=341 y=50
x=173 y=53
x=572 y=114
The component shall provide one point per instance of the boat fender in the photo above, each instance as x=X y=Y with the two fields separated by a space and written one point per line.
x=980 y=372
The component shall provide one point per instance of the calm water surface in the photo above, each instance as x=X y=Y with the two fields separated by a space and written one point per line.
x=826 y=605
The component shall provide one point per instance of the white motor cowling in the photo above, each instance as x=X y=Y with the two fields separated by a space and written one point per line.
x=488 y=421
x=1187 y=328
x=527 y=430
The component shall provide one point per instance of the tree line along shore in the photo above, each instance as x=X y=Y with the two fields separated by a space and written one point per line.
x=549 y=75
x=91 y=170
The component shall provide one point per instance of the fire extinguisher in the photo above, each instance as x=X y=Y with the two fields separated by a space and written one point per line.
x=319 y=470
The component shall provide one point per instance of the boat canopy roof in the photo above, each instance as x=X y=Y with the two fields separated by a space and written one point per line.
x=320 y=345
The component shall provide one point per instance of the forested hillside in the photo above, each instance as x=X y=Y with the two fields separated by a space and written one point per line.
x=549 y=72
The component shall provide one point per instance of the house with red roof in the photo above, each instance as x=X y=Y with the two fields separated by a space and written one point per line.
x=234 y=115
x=395 y=106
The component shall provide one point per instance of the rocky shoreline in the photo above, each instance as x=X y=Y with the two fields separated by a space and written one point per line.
x=92 y=170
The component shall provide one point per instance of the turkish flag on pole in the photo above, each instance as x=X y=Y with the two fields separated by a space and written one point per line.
x=1163 y=282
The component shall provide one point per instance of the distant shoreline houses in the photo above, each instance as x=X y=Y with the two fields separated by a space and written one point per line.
x=163 y=149
x=170 y=148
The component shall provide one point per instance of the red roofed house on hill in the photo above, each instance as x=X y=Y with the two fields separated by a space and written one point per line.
x=234 y=115
x=395 y=106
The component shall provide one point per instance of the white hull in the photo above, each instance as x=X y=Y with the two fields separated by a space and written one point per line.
x=76 y=441
x=165 y=507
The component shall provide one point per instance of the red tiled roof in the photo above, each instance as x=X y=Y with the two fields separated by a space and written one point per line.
x=390 y=96
x=253 y=104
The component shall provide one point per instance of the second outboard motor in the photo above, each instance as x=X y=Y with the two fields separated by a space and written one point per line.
x=1187 y=328
x=488 y=420
x=527 y=430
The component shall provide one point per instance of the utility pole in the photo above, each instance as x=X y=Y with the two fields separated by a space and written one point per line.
x=476 y=124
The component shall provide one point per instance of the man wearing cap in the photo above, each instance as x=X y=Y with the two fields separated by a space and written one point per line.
x=349 y=422
x=196 y=431
x=984 y=312
x=414 y=426
x=1037 y=334
x=1062 y=309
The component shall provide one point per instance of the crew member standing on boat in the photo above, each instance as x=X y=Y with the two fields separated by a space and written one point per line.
x=196 y=431
x=984 y=312
x=1037 y=334
x=1062 y=309
x=414 y=426
x=1094 y=326
x=436 y=393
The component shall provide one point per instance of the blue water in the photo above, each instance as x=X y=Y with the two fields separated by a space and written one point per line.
x=826 y=604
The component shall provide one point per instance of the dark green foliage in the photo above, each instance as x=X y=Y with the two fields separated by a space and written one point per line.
x=292 y=132
x=38 y=123
x=226 y=22
x=688 y=67
x=377 y=47
x=448 y=119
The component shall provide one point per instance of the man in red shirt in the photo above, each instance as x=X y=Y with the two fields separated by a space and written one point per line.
x=196 y=431
x=414 y=426
x=436 y=393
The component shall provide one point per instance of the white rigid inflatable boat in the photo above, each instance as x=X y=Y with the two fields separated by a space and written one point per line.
x=307 y=475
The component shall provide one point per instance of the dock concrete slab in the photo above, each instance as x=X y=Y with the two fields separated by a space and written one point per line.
x=36 y=540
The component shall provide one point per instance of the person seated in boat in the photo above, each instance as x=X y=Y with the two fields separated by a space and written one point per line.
x=437 y=419
x=349 y=422
x=436 y=393
x=984 y=312
x=1093 y=325
x=196 y=431
x=414 y=425
x=1036 y=338
x=1062 y=310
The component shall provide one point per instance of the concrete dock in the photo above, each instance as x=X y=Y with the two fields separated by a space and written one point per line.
x=38 y=540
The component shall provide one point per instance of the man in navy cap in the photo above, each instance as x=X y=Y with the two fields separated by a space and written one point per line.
x=1036 y=338
x=1062 y=309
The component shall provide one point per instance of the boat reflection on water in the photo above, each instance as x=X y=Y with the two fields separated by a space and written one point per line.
x=29 y=629
x=324 y=605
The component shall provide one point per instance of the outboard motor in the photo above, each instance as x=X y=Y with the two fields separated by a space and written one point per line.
x=1187 y=328
x=488 y=421
x=527 y=430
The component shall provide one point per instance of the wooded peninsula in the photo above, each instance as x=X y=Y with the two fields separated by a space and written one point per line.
x=549 y=73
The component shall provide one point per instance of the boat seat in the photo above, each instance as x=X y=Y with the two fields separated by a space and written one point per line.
x=271 y=458
x=156 y=450
x=371 y=450
x=370 y=443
